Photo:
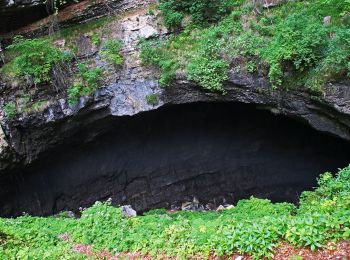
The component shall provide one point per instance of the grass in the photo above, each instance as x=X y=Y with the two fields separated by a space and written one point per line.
x=255 y=227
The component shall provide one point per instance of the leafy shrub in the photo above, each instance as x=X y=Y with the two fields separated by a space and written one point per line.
x=155 y=212
x=203 y=12
x=209 y=73
x=299 y=40
x=337 y=60
x=88 y=81
x=34 y=58
x=290 y=42
x=152 y=99
x=150 y=11
x=152 y=53
x=10 y=110
x=196 y=55
x=111 y=51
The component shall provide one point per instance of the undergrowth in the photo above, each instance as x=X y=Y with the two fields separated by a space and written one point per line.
x=111 y=51
x=152 y=99
x=33 y=59
x=36 y=65
x=292 y=43
x=255 y=227
x=87 y=81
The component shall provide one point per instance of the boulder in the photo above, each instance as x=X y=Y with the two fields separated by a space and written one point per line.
x=128 y=212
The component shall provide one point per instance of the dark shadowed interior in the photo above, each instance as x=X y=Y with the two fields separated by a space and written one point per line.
x=15 y=18
x=164 y=157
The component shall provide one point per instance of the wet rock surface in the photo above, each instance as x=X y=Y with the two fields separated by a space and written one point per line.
x=223 y=152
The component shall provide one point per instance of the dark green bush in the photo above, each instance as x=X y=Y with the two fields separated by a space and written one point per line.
x=299 y=40
x=153 y=53
x=203 y=12
x=111 y=51
x=208 y=72
x=10 y=110
x=290 y=42
x=88 y=81
x=337 y=60
x=152 y=99
x=34 y=58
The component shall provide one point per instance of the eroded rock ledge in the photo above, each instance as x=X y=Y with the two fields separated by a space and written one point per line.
x=33 y=135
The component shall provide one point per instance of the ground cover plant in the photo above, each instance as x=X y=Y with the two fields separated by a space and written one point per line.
x=298 y=41
x=111 y=51
x=52 y=63
x=33 y=59
x=87 y=81
x=254 y=227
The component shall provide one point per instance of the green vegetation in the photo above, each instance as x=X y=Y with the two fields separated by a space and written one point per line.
x=22 y=105
x=10 y=110
x=111 y=51
x=95 y=38
x=291 y=43
x=254 y=226
x=49 y=60
x=76 y=30
x=150 y=11
x=203 y=12
x=33 y=58
x=152 y=99
x=94 y=29
x=87 y=82
x=156 y=53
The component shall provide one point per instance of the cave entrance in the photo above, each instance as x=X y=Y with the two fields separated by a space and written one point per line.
x=156 y=159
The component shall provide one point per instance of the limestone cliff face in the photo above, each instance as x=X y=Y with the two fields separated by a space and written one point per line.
x=115 y=144
x=124 y=93
x=216 y=152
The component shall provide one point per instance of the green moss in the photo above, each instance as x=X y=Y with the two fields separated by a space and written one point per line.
x=73 y=31
x=95 y=38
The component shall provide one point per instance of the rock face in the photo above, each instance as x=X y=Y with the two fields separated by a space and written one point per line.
x=34 y=18
x=211 y=151
x=115 y=144
x=128 y=212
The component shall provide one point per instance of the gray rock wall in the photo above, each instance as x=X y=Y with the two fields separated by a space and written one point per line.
x=165 y=157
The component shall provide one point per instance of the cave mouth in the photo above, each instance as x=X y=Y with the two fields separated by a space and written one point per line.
x=17 y=17
x=213 y=151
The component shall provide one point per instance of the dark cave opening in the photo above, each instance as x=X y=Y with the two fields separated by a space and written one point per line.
x=17 y=17
x=213 y=151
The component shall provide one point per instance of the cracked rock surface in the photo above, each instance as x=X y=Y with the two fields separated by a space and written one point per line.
x=30 y=139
